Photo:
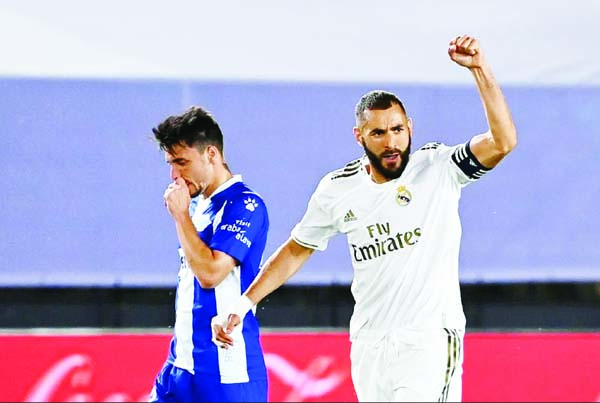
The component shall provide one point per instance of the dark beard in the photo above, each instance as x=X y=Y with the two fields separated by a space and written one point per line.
x=389 y=174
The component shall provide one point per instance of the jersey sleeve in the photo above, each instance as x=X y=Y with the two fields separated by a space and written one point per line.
x=317 y=226
x=465 y=165
x=243 y=221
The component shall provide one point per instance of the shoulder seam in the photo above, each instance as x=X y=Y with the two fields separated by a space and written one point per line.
x=430 y=146
x=349 y=169
x=344 y=175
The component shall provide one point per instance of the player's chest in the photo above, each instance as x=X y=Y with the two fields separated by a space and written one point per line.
x=384 y=211
x=205 y=217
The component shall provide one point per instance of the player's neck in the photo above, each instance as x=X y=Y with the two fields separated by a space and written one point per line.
x=222 y=175
x=375 y=175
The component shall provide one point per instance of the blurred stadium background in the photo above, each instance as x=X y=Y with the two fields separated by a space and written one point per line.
x=88 y=253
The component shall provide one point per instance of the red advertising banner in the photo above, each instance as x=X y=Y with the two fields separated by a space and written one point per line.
x=308 y=367
x=528 y=367
x=80 y=368
x=302 y=367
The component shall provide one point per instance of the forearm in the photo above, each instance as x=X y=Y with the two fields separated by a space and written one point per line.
x=200 y=258
x=282 y=265
x=501 y=125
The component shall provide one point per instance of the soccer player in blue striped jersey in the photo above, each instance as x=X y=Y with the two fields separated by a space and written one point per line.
x=222 y=225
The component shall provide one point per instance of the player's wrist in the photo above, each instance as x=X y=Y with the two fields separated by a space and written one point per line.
x=241 y=306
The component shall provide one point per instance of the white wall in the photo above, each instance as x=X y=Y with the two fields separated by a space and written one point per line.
x=528 y=42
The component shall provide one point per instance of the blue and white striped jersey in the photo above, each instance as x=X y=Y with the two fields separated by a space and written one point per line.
x=233 y=220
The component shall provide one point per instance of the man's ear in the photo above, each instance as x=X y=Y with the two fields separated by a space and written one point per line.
x=357 y=135
x=212 y=152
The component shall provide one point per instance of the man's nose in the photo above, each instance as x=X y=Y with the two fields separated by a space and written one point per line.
x=390 y=141
x=174 y=173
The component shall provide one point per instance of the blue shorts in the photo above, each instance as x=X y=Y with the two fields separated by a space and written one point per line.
x=174 y=384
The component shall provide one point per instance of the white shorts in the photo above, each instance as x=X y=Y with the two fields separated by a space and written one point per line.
x=408 y=366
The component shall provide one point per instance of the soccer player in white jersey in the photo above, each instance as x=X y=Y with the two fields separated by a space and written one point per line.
x=399 y=212
x=222 y=228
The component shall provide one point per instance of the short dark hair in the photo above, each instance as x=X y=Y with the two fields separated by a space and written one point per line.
x=196 y=127
x=376 y=100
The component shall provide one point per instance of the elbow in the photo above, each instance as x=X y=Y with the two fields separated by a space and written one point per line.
x=506 y=148
x=508 y=144
x=206 y=278
x=208 y=282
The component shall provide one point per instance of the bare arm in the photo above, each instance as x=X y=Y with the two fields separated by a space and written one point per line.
x=492 y=146
x=209 y=266
x=278 y=268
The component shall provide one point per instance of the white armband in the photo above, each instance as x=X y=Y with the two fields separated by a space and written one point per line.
x=240 y=307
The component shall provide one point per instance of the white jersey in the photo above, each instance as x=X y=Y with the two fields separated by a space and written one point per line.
x=403 y=237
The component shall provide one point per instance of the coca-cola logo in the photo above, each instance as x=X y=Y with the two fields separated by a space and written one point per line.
x=310 y=382
x=71 y=378
x=75 y=371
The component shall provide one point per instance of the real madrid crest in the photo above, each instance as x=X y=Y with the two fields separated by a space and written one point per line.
x=403 y=196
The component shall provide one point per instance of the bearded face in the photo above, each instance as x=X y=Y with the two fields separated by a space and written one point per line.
x=390 y=163
x=385 y=135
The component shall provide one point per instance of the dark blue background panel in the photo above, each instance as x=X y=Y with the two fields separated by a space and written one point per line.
x=82 y=180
